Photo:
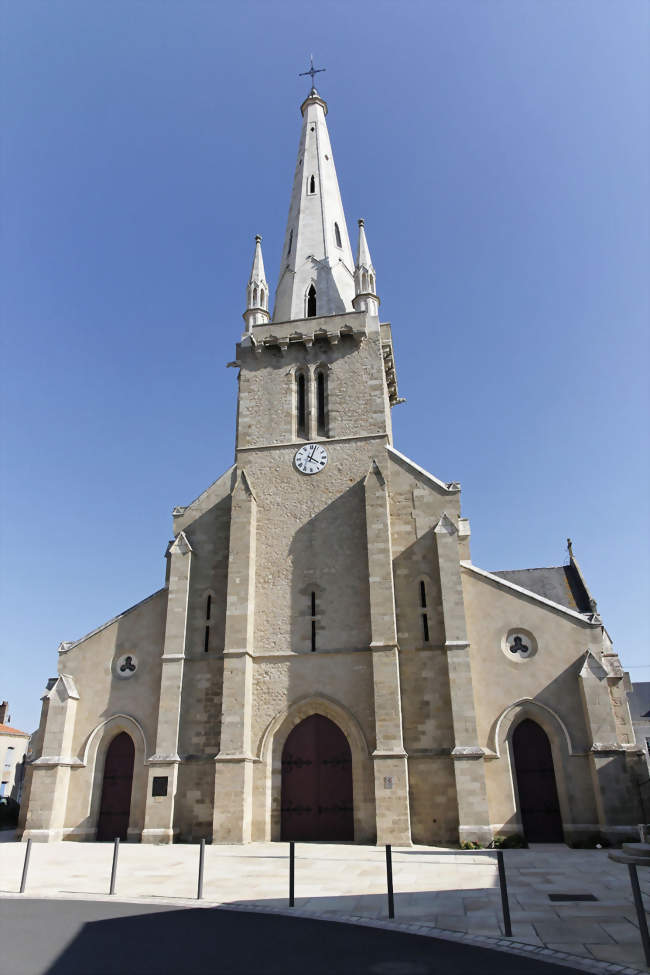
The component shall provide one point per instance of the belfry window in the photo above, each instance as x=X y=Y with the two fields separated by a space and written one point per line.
x=301 y=405
x=311 y=185
x=311 y=302
x=337 y=235
x=424 y=613
x=321 y=403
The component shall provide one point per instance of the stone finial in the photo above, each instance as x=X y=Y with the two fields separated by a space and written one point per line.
x=365 y=284
x=257 y=291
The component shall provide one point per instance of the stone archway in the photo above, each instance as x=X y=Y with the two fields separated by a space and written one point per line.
x=317 y=796
x=538 y=800
x=115 y=804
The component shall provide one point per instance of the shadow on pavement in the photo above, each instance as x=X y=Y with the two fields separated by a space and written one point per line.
x=206 y=940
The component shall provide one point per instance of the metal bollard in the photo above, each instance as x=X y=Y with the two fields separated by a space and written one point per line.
x=389 y=881
x=640 y=912
x=504 y=894
x=116 y=850
x=292 y=871
x=23 y=881
x=199 y=892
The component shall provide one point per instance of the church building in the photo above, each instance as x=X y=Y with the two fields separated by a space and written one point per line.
x=324 y=660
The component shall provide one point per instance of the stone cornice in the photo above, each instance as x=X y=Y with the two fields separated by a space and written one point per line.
x=529 y=594
x=163 y=760
x=326 y=441
x=453 y=487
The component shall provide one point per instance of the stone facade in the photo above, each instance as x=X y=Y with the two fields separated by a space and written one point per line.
x=349 y=593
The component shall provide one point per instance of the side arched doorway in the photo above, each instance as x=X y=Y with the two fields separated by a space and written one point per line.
x=317 y=782
x=115 y=807
x=538 y=802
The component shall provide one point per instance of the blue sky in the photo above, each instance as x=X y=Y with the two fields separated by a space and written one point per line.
x=498 y=152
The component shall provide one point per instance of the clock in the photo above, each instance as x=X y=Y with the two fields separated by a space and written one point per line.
x=310 y=458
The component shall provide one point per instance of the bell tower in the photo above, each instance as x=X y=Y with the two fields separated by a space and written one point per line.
x=322 y=367
x=309 y=565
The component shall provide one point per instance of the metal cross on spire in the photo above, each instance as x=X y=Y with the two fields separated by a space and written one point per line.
x=312 y=70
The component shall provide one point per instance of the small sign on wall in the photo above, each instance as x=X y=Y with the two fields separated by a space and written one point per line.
x=388 y=782
x=159 y=787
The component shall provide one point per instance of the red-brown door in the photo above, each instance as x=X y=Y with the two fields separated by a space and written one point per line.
x=317 y=782
x=116 y=789
x=538 y=802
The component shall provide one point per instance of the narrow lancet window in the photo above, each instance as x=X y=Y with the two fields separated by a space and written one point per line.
x=311 y=302
x=313 y=622
x=424 y=611
x=290 y=242
x=262 y=297
x=208 y=611
x=320 y=404
x=337 y=235
x=425 y=627
x=312 y=184
x=301 y=405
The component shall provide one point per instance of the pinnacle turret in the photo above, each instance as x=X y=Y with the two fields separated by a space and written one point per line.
x=365 y=284
x=257 y=291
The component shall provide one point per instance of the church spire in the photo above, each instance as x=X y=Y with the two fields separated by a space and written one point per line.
x=317 y=268
x=257 y=292
x=365 y=295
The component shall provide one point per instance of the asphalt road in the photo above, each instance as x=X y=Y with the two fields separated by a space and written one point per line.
x=65 y=937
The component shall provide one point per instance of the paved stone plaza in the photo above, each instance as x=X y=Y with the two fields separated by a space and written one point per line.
x=444 y=889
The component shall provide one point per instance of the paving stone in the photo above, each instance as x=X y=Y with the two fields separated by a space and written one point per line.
x=622 y=931
x=619 y=954
x=572 y=948
x=452 y=922
x=567 y=931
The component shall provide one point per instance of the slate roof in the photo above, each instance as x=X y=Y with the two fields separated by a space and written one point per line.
x=639 y=700
x=560 y=583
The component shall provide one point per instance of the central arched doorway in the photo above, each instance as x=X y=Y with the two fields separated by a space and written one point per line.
x=538 y=802
x=115 y=805
x=317 y=782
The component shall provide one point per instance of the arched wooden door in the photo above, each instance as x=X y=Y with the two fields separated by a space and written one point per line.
x=317 y=782
x=115 y=805
x=538 y=802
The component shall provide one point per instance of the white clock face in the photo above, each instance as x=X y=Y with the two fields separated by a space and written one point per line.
x=311 y=458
